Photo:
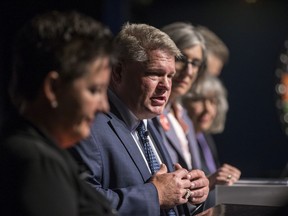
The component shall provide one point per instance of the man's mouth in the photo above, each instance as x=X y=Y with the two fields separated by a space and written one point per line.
x=159 y=101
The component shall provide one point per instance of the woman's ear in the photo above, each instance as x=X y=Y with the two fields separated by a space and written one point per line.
x=50 y=87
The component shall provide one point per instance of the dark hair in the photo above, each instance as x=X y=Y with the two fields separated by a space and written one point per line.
x=62 y=41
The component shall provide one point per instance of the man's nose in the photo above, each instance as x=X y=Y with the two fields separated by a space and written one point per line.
x=165 y=83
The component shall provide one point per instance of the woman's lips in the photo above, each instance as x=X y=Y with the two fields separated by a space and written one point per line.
x=205 y=119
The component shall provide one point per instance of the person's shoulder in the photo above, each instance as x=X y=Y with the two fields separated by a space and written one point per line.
x=19 y=145
x=26 y=147
x=103 y=118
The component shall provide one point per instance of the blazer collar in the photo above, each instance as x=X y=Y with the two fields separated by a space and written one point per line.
x=123 y=132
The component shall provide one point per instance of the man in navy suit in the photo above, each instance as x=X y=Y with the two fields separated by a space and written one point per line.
x=113 y=158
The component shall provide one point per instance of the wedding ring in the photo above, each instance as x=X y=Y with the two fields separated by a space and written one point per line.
x=229 y=177
x=187 y=194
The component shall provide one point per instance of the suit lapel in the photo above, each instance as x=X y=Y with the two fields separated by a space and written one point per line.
x=213 y=148
x=171 y=135
x=173 y=139
x=193 y=145
x=122 y=132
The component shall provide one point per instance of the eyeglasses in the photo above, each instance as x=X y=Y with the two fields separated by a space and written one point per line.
x=182 y=63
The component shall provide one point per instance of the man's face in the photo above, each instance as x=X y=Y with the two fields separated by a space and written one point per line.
x=145 y=87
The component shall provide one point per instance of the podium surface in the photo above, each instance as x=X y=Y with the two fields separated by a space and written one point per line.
x=261 y=192
x=244 y=210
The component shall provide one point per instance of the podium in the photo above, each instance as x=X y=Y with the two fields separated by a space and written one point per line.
x=244 y=210
x=260 y=192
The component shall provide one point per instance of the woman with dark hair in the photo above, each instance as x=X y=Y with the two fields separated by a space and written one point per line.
x=61 y=72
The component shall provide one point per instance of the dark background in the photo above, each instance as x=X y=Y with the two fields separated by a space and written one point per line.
x=254 y=33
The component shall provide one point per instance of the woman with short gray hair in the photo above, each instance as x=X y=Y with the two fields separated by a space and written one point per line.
x=206 y=103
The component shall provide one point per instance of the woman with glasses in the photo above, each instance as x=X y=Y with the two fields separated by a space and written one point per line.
x=178 y=129
x=178 y=134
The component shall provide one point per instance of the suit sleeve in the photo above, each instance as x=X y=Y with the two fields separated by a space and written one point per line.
x=106 y=169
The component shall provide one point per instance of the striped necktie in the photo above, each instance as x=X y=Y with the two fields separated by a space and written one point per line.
x=149 y=154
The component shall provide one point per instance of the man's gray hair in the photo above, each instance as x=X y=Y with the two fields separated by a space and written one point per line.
x=135 y=41
x=211 y=85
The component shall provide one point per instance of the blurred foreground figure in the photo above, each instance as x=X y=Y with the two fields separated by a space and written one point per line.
x=61 y=72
